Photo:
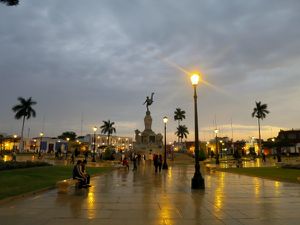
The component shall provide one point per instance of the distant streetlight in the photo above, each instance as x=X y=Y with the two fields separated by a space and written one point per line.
x=94 y=147
x=41 y=136
x=165 y=165
x=217 y=152
x=66 y=150
x=197 y=180
x=15 y=139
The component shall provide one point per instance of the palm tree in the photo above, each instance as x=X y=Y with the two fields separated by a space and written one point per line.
x=260 y=112
x=182 y=132
x=107 y=128
x=10 y=2
x=24 y=110
x=179 y=115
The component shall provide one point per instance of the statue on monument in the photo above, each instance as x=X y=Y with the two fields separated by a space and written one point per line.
x=149 y=101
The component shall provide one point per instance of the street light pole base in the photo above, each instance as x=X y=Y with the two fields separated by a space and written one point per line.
x=198 y=182
x=165 y=166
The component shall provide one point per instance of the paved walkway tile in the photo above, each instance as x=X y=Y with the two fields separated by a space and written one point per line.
x=145 y=198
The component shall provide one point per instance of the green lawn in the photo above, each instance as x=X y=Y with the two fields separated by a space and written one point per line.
x=273 y=173
x=20 y=181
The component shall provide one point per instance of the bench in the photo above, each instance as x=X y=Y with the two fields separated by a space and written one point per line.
x=210 y=167
x=120 y=165
x=63 y=185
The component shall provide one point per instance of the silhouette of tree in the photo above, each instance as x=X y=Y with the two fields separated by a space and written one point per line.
x=107 y=128
x=68 y=134
x=182 y=132
x=260 y=112
x=10 y=2
x=24 y=110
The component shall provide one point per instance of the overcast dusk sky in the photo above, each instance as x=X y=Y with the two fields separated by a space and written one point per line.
x=95 y=60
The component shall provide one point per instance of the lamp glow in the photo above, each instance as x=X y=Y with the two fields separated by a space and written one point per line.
x=165 y=119
x=195 y=79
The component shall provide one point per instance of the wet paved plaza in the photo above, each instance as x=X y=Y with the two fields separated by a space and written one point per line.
x=143 y=197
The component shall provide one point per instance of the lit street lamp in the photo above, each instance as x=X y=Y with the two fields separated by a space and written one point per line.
x=197 y=180
x=41 y=135
x=94 y=147
x=217 y=152
x=221 y=148
x=165 y=165
x=15 y=138
x=67 y=149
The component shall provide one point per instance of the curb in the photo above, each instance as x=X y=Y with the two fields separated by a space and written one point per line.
x=24 y=195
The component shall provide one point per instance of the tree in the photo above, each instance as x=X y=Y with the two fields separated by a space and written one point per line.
x=260 y=112
x=68 y=134
x=182 y=132
x=24 y=110
x=179 y=115
x=107 y=128
x=10 y=2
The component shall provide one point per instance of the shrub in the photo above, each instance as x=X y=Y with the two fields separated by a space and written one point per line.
x=10 y=165
x=109 y=154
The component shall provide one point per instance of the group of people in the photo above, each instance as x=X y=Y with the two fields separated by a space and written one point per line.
x=80 y=174
x=136 y=158
x=157 y=161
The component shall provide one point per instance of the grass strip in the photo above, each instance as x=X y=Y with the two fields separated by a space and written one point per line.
x=273 y=173
x=20 y=181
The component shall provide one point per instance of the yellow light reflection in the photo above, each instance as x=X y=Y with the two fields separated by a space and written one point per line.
x=277 y=188
x=6 y=158
x=91 y=205
x=219 y=192
x=256 y=187
x=166 y=210
x=170 y=172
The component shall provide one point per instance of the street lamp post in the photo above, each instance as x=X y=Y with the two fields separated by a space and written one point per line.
x=165 y=165
x=217 y=152
x=15 y=138
x=67 y=149
x=41 y=135
x=207 y=149
x=221 y=148
x=197 y=180
x=94 y=147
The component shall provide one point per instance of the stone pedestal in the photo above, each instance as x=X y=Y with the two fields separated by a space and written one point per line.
x=148 y=141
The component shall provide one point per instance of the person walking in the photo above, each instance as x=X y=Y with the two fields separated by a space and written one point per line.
x=155 y=162
x=134 y=160
x=159 y=162
x=125 y=162
x=72 y=158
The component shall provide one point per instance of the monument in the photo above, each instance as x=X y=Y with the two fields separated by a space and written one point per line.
x=147 y=141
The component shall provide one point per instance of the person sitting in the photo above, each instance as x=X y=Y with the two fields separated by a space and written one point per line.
x=86 y=175
x=78 y=174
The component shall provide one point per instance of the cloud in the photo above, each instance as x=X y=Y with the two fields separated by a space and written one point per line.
x=102 y=58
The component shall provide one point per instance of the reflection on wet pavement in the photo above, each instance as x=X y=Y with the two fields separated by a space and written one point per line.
x=143 y=197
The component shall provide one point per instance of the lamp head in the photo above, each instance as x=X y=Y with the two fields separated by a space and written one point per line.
x=195 y=78
x=15 y=136
x=165 y=119
x=41 y=134
x=95 y=129
x=216 y=131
